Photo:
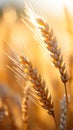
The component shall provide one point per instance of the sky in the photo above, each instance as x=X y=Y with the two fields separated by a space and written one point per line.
x=55 y=6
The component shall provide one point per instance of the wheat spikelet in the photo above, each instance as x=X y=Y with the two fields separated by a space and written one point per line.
x=39 y=86
x=52 y=46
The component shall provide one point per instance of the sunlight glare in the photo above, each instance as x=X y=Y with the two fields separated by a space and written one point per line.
x=57 y=6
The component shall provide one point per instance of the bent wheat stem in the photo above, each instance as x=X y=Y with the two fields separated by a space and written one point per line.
x=66 y=94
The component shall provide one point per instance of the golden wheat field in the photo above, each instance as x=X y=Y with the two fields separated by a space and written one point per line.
x=36 y=62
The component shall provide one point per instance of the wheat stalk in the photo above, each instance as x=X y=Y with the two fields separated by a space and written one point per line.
x=52 y=46
x=39 y=86
x=70 y=32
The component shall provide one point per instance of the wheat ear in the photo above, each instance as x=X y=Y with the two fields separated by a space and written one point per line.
x=39 y=86
x=13 y=103
x=63 y=118
x=52 y=46
x=25 y=107
x=2 y=113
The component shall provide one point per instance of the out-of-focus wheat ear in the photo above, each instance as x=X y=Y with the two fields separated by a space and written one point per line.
x=3 y=110
x=63 y=117
x=25 y=107
x=2 y=113
x=39 y=86
x=52 y=45
x=13 y=103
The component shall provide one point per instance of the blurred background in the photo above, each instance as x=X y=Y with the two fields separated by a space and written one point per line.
x=17 y=39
